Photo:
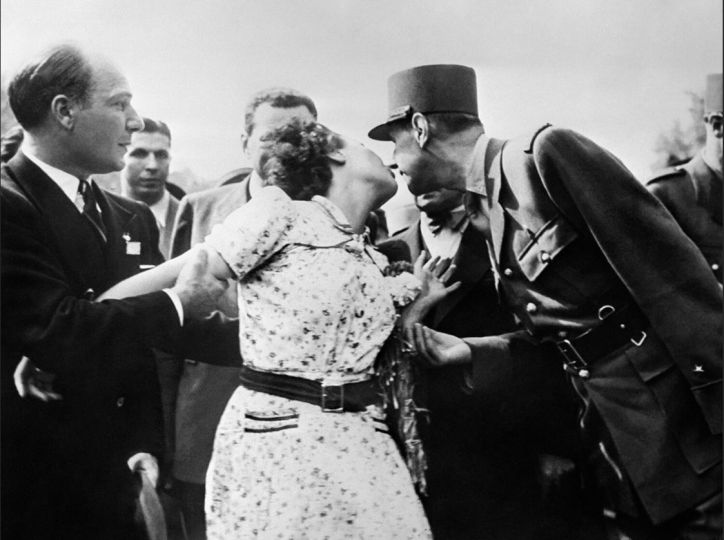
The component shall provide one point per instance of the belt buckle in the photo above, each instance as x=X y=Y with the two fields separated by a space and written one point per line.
x=573 y=359
x=327 y=397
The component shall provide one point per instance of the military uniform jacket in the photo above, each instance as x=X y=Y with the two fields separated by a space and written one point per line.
x=693 y=195
x=572 y=221
x=53 y=263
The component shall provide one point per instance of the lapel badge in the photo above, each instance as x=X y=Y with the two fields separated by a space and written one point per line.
x=132 y=248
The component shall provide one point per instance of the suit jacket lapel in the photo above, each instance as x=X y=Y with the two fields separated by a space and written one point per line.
x=75 y=242
x=118 y=221
x=169 y=219
x=472 y=264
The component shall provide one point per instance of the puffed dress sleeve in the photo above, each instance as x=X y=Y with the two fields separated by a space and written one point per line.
x=250 y=235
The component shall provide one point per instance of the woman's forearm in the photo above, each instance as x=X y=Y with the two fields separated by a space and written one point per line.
x=155 y=279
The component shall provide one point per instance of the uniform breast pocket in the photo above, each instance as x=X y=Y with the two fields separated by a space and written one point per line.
x=545 y=247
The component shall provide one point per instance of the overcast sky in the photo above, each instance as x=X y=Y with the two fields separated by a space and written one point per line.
x=616 y=70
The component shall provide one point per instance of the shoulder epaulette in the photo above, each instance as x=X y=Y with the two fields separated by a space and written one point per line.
x=667 y=173
x=529 y=150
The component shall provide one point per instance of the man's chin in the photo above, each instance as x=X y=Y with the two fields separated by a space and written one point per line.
x=419 y=187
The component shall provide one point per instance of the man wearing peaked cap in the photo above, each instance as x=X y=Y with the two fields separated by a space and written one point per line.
x=693 y=192
x=438 y=88
x=592 y=264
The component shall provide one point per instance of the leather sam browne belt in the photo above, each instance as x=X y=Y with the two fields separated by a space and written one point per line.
x=352 y=397
x=622 y=325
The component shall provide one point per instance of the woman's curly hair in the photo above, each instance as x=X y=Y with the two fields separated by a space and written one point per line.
x=294 y=158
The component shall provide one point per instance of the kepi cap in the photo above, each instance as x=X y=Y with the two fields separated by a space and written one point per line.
x=437 y=88
x=713 y=97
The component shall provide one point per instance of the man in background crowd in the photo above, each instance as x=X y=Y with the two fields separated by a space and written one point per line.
x=145 y=174
x=203 y=389
x=693 y=192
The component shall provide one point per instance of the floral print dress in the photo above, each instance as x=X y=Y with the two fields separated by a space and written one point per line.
x=313 y=303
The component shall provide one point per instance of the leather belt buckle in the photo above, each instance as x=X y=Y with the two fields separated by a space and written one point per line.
x=573 y=359
x=332 y=398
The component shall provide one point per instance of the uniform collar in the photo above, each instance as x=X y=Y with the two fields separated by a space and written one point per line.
x=476 y=178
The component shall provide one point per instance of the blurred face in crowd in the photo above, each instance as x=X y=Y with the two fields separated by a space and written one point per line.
x=714 y=136
x=102 y=128
x=147 y=163
x=438 y=201
x=267 y=118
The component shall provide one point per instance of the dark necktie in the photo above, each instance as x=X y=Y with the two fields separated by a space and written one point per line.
x=454 y=220
x=90 y=208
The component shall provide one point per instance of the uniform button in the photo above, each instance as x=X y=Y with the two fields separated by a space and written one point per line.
x=530 y=307
x=120 y=401
x=584 y=374
x=545 y=256
x=508 y=272
x=715 y=267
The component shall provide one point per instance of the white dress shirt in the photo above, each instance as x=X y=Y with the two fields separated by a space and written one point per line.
x=446 y=242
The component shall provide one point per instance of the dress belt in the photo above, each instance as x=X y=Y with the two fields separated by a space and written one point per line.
x=352 y=397
x=622 y=325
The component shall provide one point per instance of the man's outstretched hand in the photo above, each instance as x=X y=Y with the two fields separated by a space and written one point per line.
x=197 y=287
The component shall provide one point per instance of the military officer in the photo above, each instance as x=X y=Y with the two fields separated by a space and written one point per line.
x=591 y=262
x=693 y=192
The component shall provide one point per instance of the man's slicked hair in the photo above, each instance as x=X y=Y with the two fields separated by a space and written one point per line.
x=155 y=126
x=63 y=70
x=284 y=98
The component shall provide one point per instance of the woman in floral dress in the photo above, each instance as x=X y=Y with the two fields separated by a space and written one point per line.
x=314 y=312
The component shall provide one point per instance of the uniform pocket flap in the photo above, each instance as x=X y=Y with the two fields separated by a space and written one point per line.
x=649 y=365
x=709 y=399
x=545 y=246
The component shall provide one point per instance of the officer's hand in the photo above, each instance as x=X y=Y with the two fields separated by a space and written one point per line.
x=33 y=382
x=440 y=349
x=197 y=286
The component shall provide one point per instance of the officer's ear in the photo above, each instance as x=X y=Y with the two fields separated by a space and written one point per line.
x=420 y=129
x=64 y=110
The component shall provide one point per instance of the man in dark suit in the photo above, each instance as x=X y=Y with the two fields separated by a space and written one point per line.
x=482 y=448
x=67 y=466
x=693 y=192
x=590 y=262
x=202 y=390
